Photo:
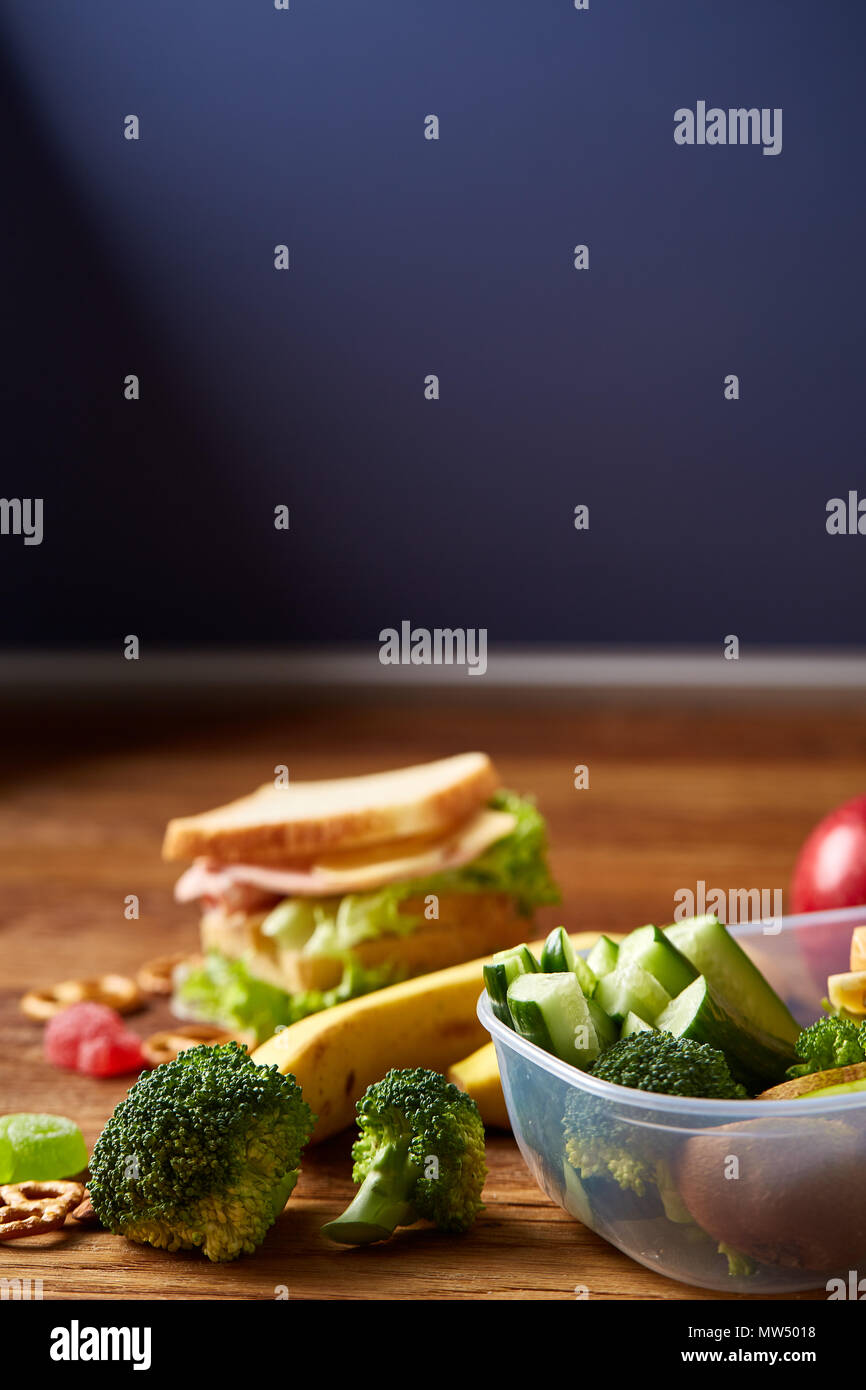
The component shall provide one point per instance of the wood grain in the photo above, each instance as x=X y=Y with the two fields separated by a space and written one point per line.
x=678 y=792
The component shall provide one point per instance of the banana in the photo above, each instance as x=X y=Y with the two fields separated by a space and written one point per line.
x=428 y=1021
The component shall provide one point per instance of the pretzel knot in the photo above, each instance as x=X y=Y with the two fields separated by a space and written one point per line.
x=117 y=991
x=165 y=1046
x=32 y=1208
x=156 y=976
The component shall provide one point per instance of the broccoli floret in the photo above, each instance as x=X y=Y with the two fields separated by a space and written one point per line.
x=669 y=1065
x=204 y=1151
x=419 y=1154
x=830 y=1042
x=593 y=1157
x=597 y=1145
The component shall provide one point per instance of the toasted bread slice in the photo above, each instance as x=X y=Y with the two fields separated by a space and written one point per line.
x=279 y=825
x=469 y=925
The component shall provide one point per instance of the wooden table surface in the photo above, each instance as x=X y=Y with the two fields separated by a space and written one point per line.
x=677 y=793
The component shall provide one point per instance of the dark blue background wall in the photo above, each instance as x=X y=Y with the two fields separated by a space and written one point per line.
x=411 y=257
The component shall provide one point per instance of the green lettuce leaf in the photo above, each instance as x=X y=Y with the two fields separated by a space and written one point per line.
x=330 y=926
x=223 y=991
x=516 y=864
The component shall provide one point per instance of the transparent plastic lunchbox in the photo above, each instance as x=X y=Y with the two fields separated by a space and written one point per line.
x=739 y=1196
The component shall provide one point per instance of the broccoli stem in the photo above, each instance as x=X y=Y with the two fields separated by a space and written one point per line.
x=284 y=1189
x=381 y=1203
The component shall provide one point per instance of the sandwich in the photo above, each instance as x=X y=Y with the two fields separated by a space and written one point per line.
x=315 y=892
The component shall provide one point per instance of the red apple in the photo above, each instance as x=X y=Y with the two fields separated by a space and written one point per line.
x=831 y=867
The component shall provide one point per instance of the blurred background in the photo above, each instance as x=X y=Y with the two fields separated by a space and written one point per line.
x=305 y=388
x=411 y=257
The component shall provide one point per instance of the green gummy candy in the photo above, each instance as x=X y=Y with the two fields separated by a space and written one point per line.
x=38 y=1148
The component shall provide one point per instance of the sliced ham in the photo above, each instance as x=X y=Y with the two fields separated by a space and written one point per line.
x=207 y=879
x=248 y=886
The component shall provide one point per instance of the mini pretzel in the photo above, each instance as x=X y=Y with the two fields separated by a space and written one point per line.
x=155 y=976
x=117 y=991
x=32 y=1208
x=165 y=1046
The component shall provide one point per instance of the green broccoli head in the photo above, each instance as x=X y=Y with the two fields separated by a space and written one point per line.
x=668 y=1065
x=419 y=1155
x=598 y=1145
x=830 y=1042
x=203 y=1152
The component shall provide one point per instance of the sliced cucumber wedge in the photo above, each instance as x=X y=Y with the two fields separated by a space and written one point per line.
x=577 y=1201
x=606 y=1027
x=650 y=948
x=603 y=957
x=551 y=1011
x=755 y=1058
x=736 y=980
x=587 y=980
x=522 y=953
x=558 y=954
x=632 y=1023
x=631 y=989
x=506 y=966
x=631 y=944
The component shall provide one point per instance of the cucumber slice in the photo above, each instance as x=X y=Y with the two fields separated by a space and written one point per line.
x=522 y=953
x=697 y=1014
x=506 y=966
x=586 y=978
x=551 y=1011
x=736 y=980
x=632 y=1023
x=675 y=1208
x=649 y=947
x=577 y=1201
x=605 y=1026
x=603 y=957
x=756 y=1059
x=559 y=955
x=632 y=943
x=631 y=989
